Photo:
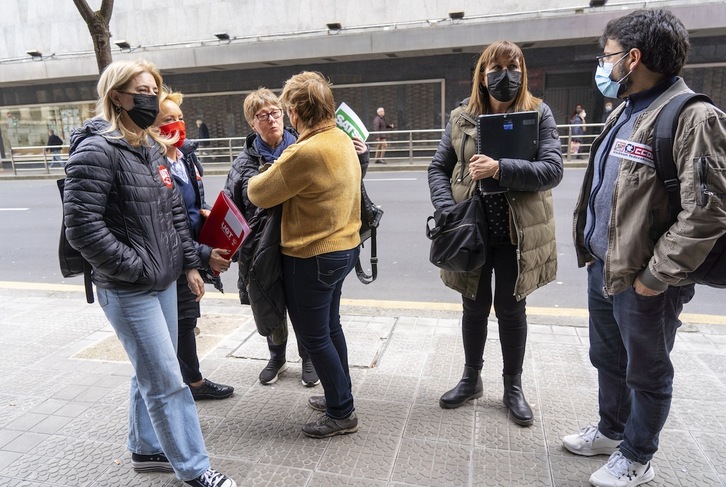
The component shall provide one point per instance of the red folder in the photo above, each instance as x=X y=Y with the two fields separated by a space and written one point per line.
x=226 y=227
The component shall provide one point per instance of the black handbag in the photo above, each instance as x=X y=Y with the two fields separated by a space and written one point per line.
x=458 y=238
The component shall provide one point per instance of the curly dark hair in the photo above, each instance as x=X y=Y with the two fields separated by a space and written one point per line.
x=660 y=36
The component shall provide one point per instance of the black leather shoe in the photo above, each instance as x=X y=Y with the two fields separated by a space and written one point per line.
x=211 y=390
x=469 y=387
x=519 y=410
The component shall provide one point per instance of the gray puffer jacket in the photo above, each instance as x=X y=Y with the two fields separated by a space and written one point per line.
x=531 y=213
x=123 y=213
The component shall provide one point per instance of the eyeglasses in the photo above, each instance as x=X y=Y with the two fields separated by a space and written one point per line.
x=601 y=58
x=264 y=117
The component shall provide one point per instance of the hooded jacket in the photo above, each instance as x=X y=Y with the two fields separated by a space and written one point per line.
x=531 y=213
x=641 y=241
x=123 y=213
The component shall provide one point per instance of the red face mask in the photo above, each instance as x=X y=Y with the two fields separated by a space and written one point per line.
x=173 y=128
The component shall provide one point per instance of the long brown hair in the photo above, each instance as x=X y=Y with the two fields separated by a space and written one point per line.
x=479 y=100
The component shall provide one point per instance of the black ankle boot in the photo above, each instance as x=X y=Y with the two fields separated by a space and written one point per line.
x=469 y=387
x=514 y=400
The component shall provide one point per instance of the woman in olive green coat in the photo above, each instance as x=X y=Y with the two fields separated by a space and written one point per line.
x=521 y=253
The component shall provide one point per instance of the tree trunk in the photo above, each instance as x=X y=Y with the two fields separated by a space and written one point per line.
x=101 y=36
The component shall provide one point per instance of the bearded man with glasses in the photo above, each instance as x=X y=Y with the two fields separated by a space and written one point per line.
x=637 y=259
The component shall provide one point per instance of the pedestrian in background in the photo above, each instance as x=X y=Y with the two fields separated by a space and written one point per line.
x=203 y=132
x=577 y=120
x=187 y=171
x=380 y=125
x=123 y=214
x=520 y=228
x=53 y=146
x=637 y=257
x=318 y=182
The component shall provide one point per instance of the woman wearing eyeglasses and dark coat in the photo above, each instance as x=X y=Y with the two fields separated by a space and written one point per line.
x=521 y=252
x=263 y=112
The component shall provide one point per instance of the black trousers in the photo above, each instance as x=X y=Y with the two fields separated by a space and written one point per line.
x=511 y=314
x=188 y=309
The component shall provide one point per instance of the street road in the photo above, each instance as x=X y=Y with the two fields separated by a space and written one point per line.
x=30 y=213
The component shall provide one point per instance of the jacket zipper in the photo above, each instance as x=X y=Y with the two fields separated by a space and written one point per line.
x=465 y=116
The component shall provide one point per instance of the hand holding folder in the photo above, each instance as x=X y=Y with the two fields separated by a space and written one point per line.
x=226 y=227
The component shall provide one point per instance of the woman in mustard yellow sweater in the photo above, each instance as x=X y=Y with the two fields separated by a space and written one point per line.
x=317 y=181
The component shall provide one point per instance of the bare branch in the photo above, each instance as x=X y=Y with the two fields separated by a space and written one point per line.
x=85 y=10
x=106 y=10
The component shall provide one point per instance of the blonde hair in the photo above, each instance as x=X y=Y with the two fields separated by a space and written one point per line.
x=117 y=76
x=257 y=99
x=479 y=100
x=176 y=97
x=166 y=93
x=310 y=95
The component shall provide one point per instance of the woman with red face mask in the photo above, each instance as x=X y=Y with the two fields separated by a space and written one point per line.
x=186 y=171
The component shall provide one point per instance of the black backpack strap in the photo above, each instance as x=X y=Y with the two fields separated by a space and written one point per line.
x=664 y=134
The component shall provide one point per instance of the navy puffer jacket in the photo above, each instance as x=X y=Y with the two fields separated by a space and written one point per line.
x=123 y=213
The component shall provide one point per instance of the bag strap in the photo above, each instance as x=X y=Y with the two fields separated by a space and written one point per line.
x=362 y=276
x=87 y=283
x=664 y=134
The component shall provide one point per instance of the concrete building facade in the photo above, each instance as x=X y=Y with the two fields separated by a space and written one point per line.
x=415 y=58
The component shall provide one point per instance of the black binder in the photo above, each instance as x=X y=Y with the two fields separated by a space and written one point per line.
x=506 y=136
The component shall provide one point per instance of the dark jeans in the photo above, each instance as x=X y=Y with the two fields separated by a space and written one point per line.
x=312 y=290
x=511 y=314
x=631 y=337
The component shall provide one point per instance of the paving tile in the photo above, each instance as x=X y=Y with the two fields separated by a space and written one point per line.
x=503 y=468
x=432 y=463
x=24 y=442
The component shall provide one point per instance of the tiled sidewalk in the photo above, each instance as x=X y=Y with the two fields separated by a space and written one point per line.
x=64 y=398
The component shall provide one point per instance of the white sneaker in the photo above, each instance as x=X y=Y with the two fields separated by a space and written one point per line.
x=590 y=442
x=622 y=472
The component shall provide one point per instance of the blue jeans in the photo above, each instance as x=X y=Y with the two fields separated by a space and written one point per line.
x=162 y=413
x=312 y=290
x=631 y=337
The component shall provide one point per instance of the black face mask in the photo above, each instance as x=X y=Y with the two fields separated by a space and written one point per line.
x=504 y=85
x=146 y=108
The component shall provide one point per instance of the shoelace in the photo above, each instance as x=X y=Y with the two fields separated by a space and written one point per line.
x=212 y=477
x=619 y=466
x=589 y=433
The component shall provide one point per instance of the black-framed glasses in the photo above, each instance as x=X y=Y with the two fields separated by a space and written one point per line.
x=601 y=58
x=264 y=117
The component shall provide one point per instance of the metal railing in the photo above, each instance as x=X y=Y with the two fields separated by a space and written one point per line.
x=403 y=147
x=38 y=159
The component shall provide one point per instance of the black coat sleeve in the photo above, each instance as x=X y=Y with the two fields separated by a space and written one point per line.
x=440 y=170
